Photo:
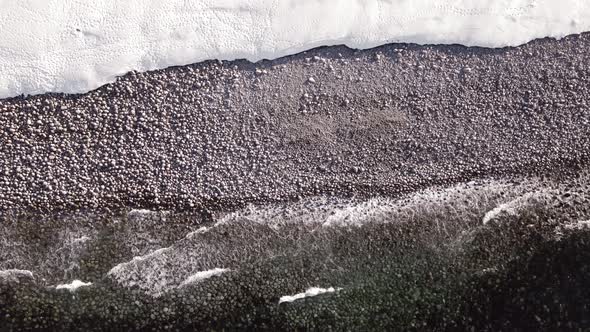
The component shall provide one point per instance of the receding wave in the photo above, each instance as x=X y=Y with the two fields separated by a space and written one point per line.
x=422 y=254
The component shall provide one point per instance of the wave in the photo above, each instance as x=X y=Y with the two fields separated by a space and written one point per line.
x=414 y=257
x=260 y=232
x=74 y=285
x=313 y=291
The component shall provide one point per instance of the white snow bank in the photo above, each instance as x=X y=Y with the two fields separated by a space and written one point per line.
x=75 y=46
x=73 y=286
x=313 y=291
x=202 y=275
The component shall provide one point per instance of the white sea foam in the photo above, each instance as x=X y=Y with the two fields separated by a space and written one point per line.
x=200 y=230
x=149 y=272
x=330 y=212
x=580 y=225
x=202 y=275
x=82 y=239
x=74 y=285
x=313 y=291
x=145 y=213
x=141 y=212
x=15 y=275
x=75 y=46
x=117 y=271
x=514 y=206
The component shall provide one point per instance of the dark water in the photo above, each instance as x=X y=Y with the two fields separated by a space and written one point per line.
x=426 y=261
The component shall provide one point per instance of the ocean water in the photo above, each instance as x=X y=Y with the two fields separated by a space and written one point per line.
x=381 y=263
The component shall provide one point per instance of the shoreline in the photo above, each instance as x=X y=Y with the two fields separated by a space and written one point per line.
x=389 y=120
x=467 y=175
x=245 y=63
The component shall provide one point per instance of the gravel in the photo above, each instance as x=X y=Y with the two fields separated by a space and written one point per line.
x=384 y=121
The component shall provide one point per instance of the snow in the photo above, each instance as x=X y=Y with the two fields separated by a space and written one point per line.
x=74 y=285
x=76 y=46
x=313 y=291
x=202 y=275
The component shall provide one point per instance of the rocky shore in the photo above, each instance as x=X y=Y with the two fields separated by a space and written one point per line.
x=333 y=120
